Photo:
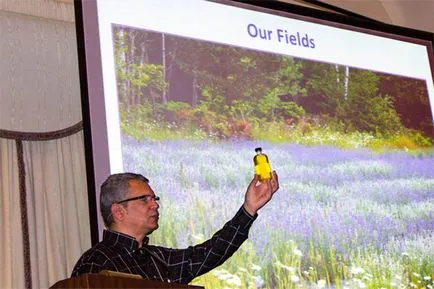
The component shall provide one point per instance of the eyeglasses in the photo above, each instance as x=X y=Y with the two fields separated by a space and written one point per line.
x=146 y=198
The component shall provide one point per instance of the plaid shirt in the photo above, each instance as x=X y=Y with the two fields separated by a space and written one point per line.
x=121 y=253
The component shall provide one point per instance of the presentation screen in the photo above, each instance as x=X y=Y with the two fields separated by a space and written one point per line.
x=184 y=91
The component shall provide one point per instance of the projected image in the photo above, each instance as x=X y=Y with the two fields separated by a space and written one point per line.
x=353 y=150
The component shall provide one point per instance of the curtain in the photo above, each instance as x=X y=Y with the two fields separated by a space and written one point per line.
x=57 y=212
x=11 y=245
x=44 y=220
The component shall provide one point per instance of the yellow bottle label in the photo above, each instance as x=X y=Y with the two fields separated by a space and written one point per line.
x=262 y=167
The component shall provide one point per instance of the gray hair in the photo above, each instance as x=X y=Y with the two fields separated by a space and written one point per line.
x=114 y=189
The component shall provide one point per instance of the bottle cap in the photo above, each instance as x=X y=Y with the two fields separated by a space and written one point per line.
x=258 y=150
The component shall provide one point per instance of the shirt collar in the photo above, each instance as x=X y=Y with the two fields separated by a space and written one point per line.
x=116 y=238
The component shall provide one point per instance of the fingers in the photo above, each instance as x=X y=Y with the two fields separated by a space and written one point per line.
x=274 y=181
x=254 y=181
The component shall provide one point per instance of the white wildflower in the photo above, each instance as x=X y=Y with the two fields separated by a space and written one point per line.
x=361 y=284
x=288 y=268
x=259 y=282
x=235 y=280
x=321 y=283
x=242 y=269
x=219 y=272
x=198 y=237
x=256 y=267
x=295 y=278
x=297 y=252
x=224 y=277
x=427 y=278
x=357 y=270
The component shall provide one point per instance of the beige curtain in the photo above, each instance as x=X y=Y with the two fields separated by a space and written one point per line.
x=44 y=220
x=57 y=207
x=11 y=245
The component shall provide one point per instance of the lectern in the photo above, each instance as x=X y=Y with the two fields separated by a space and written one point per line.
x=89 y=281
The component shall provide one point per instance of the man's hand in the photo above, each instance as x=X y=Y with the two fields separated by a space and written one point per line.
x=259 y=193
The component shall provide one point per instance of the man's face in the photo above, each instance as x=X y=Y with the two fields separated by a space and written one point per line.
x=141 y=215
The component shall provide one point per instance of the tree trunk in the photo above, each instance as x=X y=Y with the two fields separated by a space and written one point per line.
x=168 y=76
x=337 y=74
x=347 y=78
x=130 y=60
x=163 y=49
x=122 y=84
x=195 y=94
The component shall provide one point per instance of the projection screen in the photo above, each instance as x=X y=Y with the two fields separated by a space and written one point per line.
x=184 y=91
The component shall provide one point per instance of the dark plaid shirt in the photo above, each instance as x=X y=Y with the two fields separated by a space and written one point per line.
x=121 y=253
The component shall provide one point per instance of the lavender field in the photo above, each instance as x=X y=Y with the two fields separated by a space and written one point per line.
x=341 y=219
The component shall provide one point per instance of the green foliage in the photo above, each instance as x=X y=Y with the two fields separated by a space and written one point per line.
x=138 y=122
x=289 y=109
x=403 y=142
x=144 y=75
x=177 y=106
x=140 y=76
x=241 y=109
x=255 y=95
x=210 y=114
x=275 y=132
x=272 y=108
x=133 y=74
x=420 y=139
x=288 y=77
x=352 y=98
x=408 y=140
x=267 y=106
x=135 y=115
x=247 y=63
x=325 y=88
x=365 y=110
x=410 y=99
x=213 y=102
x=183 y=121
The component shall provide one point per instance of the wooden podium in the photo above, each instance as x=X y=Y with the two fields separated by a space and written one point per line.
x=99 y=281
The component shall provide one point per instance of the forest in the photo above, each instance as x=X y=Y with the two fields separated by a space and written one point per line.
x=174 y=87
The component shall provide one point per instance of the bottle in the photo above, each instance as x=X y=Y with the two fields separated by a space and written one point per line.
x=262 y=165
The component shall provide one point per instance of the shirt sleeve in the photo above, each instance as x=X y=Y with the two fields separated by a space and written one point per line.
x=184 y=265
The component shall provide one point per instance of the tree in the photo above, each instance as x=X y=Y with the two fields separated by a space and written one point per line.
x=134 y=72
x=410 y=99
x=365 y=109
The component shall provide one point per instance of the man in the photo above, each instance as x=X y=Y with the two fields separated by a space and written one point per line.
x=129 y=208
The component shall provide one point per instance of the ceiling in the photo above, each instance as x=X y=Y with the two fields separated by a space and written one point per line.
x=415 y=14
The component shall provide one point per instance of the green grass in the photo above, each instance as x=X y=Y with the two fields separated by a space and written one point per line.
x=291 y=268
x=277 y=132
